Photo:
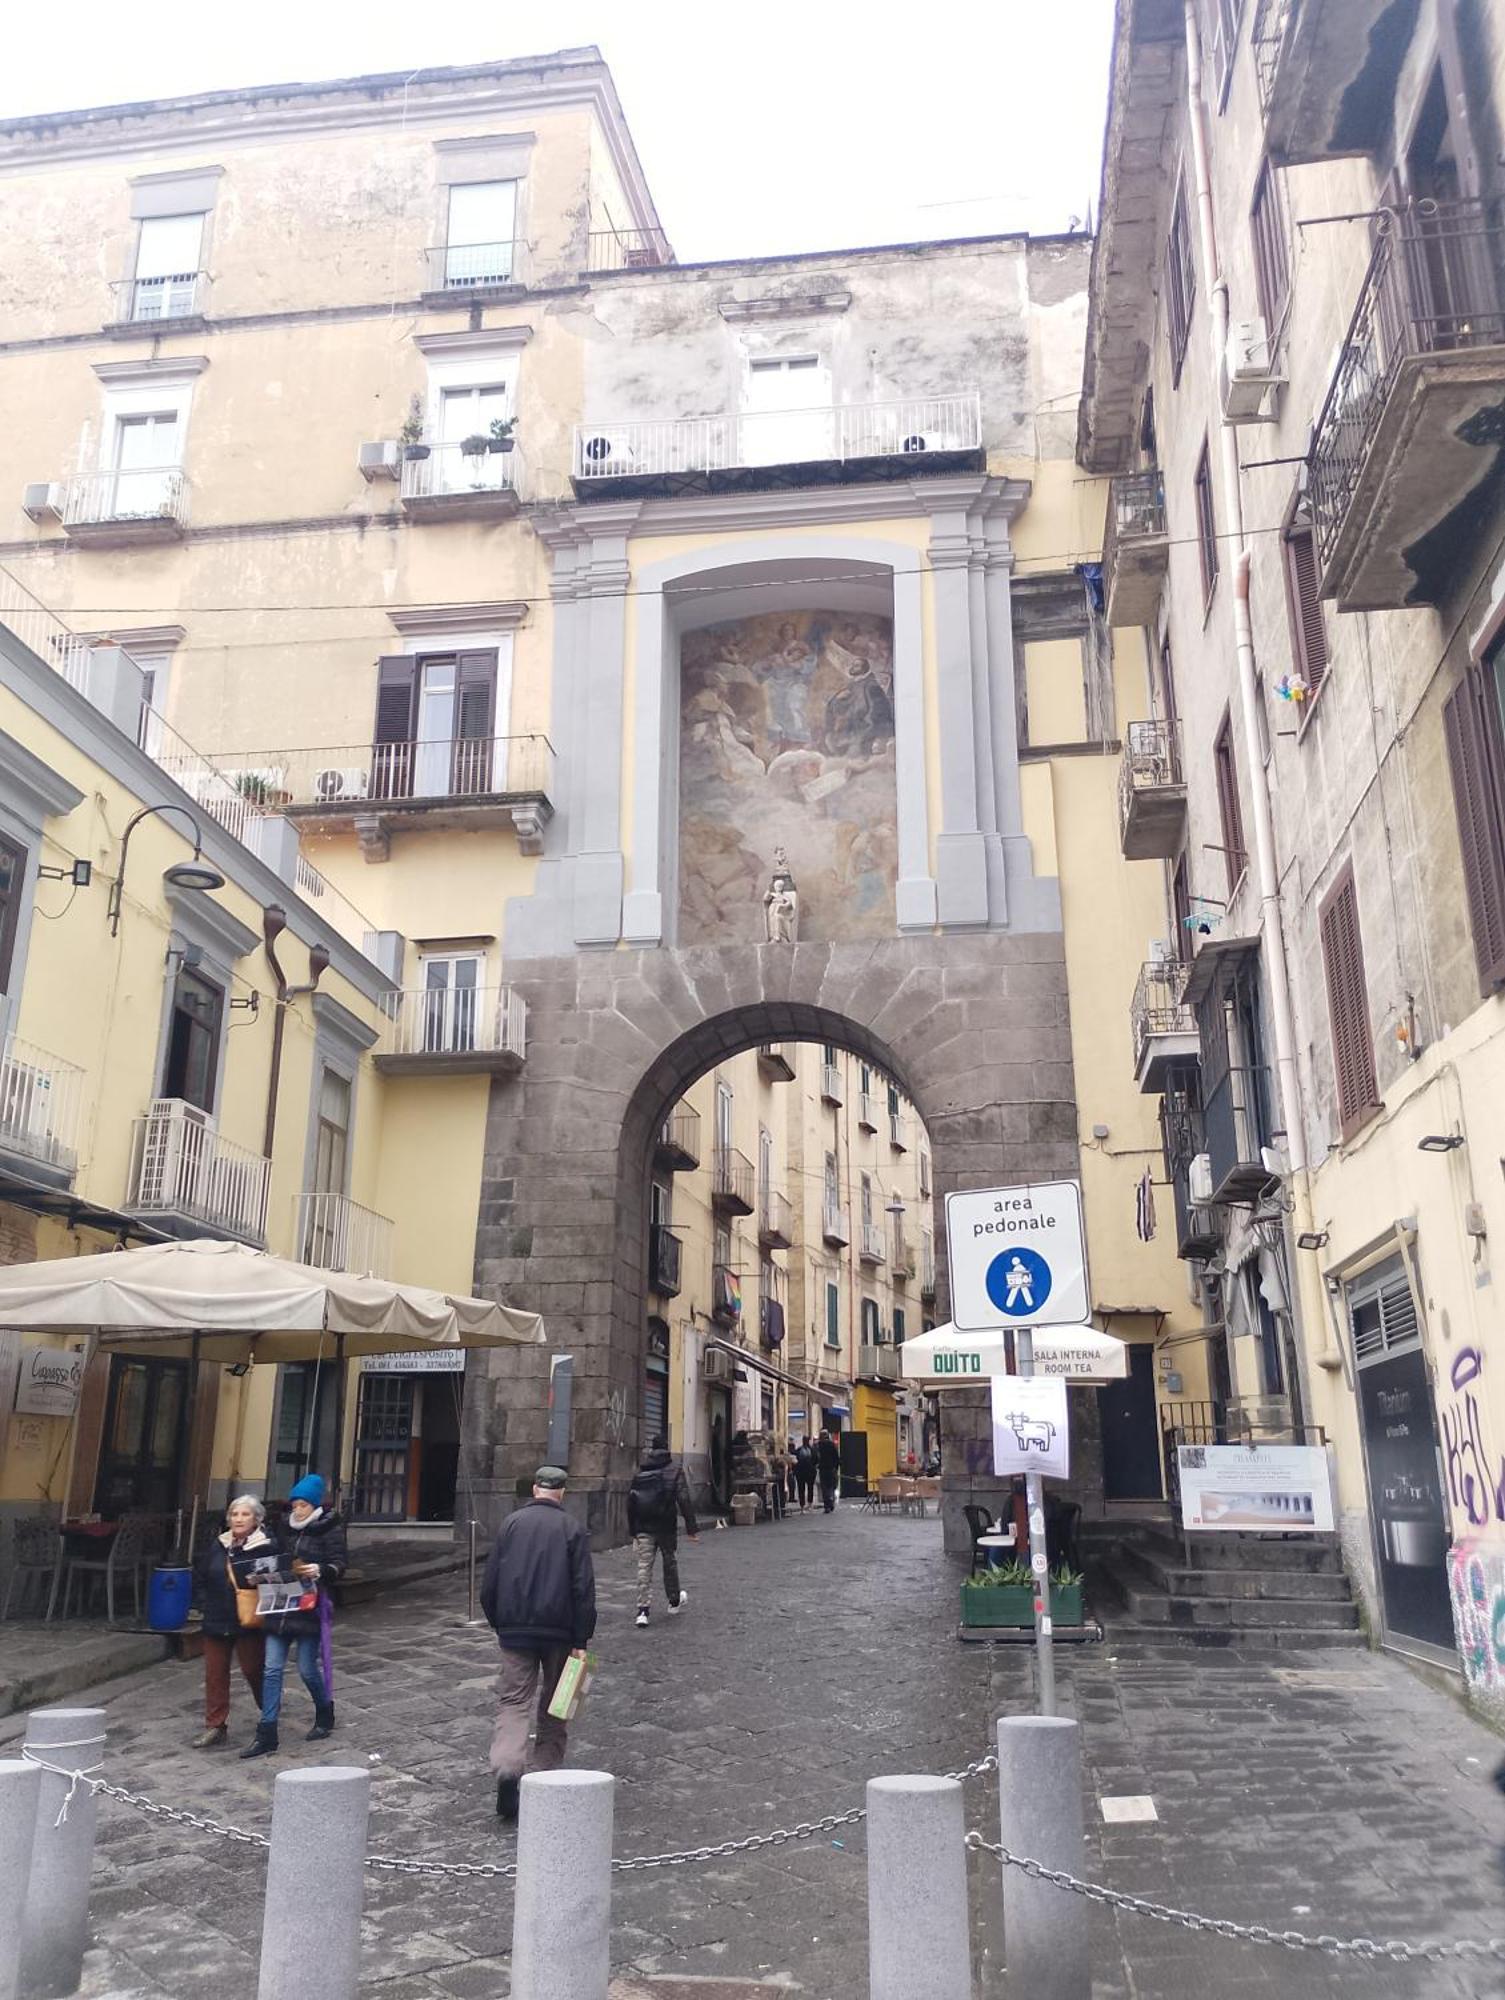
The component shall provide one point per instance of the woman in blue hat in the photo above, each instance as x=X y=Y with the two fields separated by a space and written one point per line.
x=311 y=1553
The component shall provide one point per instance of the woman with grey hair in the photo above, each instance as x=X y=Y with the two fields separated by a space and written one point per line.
x=227 y=1566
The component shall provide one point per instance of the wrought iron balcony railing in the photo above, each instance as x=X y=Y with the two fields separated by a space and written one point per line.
x=475 y=267
x=732 y=1181
x=775 y=1217
x=151 y=497
x=451 y=1025
x=1136 y=548
x=335 y=1233
x=1164 y=1026
x=870 y=1245
x=40 y=1101
x=151 y=301
x=350 y=777
x=449 y=473
x=1151 y=793
x=627 y=250
x=181 y=1166
x=678 y=1144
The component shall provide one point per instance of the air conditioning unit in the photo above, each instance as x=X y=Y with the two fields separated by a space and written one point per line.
x=1250 y=376
x=603 y=453
x=716 y=1365
x=348 y=781
x=382 y=460
x=44 y=502
x=1199 y=1180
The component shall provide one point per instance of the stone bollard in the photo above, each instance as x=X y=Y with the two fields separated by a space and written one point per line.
x=561 y=1908
x=918 y=1933
x=20 y=1788
x=55 y=1924
x=1046 y=1931
x=311 y=1927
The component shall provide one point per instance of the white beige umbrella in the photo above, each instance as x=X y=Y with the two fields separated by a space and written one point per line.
x=946 y=1358
x=240 y=1304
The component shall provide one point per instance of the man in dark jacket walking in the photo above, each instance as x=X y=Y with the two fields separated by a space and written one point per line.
x=658 y=1495
x=828 y=1461
x=539 y=1597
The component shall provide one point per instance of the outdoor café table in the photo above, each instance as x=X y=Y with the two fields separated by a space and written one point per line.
x=994 y=1545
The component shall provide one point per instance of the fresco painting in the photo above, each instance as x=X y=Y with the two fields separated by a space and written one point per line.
x=787 y=740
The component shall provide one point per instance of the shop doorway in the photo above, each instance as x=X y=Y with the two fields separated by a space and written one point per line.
x=407 y=1442
x=146 y=1421
x=304 y=1440
x=1131 y=1437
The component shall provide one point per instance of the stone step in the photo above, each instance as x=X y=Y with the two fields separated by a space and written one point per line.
x=1155 y=1568
x=1319 y=1554
x=1124 y=1641
x=1154 y=1607
x=671 y=1986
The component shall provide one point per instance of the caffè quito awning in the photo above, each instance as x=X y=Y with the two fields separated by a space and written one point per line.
x=946 y=1358
x=238 y=1304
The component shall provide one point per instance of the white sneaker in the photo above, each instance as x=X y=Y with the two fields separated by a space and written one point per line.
x=675 y=1609
x=642 y=1618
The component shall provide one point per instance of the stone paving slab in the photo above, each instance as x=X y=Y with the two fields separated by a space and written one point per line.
x=1302 y=1790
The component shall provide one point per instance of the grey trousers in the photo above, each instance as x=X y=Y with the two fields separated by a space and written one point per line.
x=519 y=1675
x=646 y=1547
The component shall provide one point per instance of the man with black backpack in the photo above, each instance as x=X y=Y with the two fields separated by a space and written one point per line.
x=658 y=1495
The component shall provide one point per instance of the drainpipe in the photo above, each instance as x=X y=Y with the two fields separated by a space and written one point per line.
x=1266 y=874
x=273 y=924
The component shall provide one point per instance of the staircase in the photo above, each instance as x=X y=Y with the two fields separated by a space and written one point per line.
x=1254 y=1592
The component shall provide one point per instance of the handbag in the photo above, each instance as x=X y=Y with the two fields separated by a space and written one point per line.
x=247 y=1615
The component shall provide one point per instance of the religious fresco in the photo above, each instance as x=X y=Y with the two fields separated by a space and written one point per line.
x=787 y=742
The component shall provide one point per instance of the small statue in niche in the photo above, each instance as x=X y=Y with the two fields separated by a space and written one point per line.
x=781 y=903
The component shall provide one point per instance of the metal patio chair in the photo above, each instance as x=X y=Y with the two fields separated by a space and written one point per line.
x=36 y=1553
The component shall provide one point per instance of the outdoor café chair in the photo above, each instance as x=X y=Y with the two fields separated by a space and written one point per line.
x=36 y=1555
x=134 y=1547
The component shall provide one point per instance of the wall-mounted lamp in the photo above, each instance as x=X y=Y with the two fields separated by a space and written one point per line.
x=195 y=874
x=238 y=1368
x=1440 y=1142
x=81 y=874
x=1311 y=1239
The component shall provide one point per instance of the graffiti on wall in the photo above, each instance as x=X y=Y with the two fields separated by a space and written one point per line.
x=1476 y=1475
x=787 y=740
x=1476 y=1582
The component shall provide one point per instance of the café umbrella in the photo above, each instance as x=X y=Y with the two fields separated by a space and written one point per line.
x=947 y=1358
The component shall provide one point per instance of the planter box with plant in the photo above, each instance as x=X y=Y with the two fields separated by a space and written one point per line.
x=1006 y=1596
x=410 y=437
x=501 y=434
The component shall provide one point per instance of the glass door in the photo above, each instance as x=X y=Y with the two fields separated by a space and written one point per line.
x=787 y=418
x=482 y=223
x=305 y=1423
x=141 y=1461
x=146 y=459
x=451 y=1000
x=466 y=415
x=434 y=729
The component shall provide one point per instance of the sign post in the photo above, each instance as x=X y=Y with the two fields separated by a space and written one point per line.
x=1018 y=1258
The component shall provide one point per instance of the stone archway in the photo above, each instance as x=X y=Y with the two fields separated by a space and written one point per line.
x=975 y=1026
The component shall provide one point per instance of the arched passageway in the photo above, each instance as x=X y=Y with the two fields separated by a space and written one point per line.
x=974 y=1027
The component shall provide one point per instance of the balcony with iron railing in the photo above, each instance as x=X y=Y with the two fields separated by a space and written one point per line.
x=123 y=505
x=867 y=1111
x=665 y=1260
x=1410 y=426
x=830 y=1082
x=773 y=1310
x=733 y=1182
x=747 y=451
x=1136 y=548
x=871 y=1247
x=472 y=479
x=877 y=1361
x=335 y=1233
x=1163 y=1024
x=775 y=1218
x=678 y=1144
x=1236 y=1118
x=458 y=271
x=190 y=1180
x=438 y=784
x=1326 y=72
x=902 y=1262
x=1184 y=1141
x=627 y=250
x=900 y=1136
x=776 y=1062
x=146 y=305
x=1151 y=793
x=835 y=1222
x=927 y=1269
x=470 y=1030
x=41 y=1099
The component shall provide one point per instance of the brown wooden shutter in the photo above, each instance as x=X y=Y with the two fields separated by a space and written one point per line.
x=1478 y=768
x=1348 y=1003
x=476 y=701
x=396 y=680
x=1308 y=634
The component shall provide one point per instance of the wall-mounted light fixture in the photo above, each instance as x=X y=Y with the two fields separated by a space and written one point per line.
x=1311 y=1239
x=81 y=874
x=1440 y=1142
x=195 y=874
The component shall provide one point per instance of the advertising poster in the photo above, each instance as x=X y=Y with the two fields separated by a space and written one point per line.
x=49 y=1381
x=1029 y=1425
x=1246 y=1489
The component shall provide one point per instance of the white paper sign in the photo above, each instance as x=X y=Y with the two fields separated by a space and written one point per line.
x=427 y=1361
x=1029 y=1425
x=1018 y=1256
x=49 y=1381
x=1272 y=1489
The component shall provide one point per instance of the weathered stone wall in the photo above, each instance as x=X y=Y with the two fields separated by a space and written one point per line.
x=974 y=1027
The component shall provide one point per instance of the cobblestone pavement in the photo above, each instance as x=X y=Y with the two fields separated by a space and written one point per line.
x=1324 y=1791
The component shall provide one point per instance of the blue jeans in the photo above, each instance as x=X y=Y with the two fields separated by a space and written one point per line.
x=279 y=1645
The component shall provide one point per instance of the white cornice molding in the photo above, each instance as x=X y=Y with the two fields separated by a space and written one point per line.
x=202 y=921
x=336 y=1021
x=139 y=638
x=176 y=174
x=479 y=142
x=166 y=368
x=804 y=305
x=416 y=620
x=481 y=340
x=35 y=787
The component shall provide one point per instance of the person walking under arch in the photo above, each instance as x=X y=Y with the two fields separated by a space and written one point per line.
x=539 y=1597
x=658 y=1496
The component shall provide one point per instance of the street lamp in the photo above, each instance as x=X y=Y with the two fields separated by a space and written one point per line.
x=195 y=874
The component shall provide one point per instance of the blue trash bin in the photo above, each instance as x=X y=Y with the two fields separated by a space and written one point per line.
x=168 y=1598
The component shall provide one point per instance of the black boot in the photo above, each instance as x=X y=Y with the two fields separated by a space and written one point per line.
x=508 y=1797
x=265 y=1744
x=323 y=1724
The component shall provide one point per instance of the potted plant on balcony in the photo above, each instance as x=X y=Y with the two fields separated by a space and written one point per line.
x=1006 y=1596
x=501 y=434
x=411 y=435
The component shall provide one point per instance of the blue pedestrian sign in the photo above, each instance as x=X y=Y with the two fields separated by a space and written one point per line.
x=1018 y=1283
x=1017 y=1257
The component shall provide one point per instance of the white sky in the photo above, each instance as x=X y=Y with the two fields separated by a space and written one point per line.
x=786 y=125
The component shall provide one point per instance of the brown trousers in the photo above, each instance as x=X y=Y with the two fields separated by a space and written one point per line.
x=248 y=1650
x=519 y=1675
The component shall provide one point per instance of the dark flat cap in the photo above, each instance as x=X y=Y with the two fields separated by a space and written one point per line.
x=550 y=1477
